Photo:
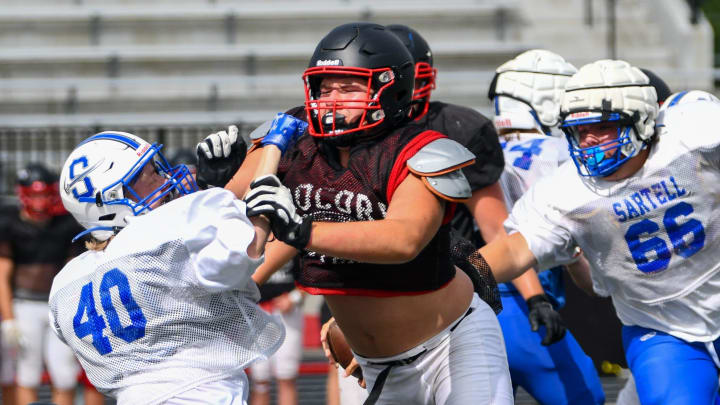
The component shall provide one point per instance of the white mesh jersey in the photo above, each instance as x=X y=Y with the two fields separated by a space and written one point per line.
x=169 y=304
x=528 y=158
x=652 y=240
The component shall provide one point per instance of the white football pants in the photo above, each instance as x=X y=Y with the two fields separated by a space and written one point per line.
x=467 y=365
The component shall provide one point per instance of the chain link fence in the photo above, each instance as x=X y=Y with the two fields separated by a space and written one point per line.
x=51 y=146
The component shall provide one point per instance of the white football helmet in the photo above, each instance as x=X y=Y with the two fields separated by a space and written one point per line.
x=609 y=91
x=97 y=178
x=683 y=97
x=527 y=90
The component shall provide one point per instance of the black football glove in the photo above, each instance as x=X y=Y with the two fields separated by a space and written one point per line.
x=541 y=312
x=268 y=197
x=219 y=157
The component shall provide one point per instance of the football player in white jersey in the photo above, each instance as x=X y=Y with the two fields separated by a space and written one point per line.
x=162 y=308
x=643 y=205
x=526 y=95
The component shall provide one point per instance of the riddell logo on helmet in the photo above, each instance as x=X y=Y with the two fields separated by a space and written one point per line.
x=504 y=123
x=329 y=62
x=579 y=115
x=142 y=150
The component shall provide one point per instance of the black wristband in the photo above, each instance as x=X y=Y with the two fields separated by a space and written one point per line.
x=300 y=239
x=537 y=299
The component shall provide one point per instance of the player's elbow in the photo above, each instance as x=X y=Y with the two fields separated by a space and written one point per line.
x=405 y=254
x=410 y=246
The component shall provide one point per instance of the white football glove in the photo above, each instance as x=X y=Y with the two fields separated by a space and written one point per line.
x=11 y=335
x=220 y=155
x=218 y=145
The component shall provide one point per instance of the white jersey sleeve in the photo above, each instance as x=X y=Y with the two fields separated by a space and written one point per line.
x=214 y=229
x=218 y=242
x=546 y=232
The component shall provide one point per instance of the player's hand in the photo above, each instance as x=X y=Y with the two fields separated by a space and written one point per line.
x=284 y=131
x=11 y=335
x=351 y=368
x=270 y=198
x=219 y=156
x=323 y=341
x=541 y=312
x=283 y=303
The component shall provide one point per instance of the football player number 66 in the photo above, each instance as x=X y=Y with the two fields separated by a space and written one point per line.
x=94 y=324
x=686 y=239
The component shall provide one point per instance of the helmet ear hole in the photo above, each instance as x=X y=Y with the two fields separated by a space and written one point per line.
x=108 y=217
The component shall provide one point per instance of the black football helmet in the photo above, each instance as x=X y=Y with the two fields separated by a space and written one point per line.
x=425 y=74
x=372 y=53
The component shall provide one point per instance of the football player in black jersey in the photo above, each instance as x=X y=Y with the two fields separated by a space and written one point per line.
x=372 y=227
x=35 y=242
x=486 y=206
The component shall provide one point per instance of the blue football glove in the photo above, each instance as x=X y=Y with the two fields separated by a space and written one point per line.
x=284 y=131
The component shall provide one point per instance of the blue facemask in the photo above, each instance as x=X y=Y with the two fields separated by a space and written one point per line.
x=604 y=159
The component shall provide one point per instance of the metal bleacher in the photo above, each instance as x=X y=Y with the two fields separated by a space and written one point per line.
x=174 y=70
x=101 y=58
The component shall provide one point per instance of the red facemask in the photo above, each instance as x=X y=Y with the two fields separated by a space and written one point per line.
x=40 y=200
x=325 y=126
x=425 y=76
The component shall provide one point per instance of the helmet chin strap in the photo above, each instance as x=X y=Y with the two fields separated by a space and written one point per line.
x=114 y=229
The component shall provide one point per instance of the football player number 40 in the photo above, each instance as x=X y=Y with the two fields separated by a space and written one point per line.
x=87 y=321
x=686 y=239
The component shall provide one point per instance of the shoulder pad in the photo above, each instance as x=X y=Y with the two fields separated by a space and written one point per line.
x=260 y=132
x=452 y=186
x=439 y=157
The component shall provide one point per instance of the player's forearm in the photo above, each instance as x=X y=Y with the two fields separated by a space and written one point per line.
x=383 y=242
x=528 y=284
x=580 y=274
x=6 y=309
x=276 y=255
x=487 y=206
x=508 y=257
x=241 y=180
x=256 y=248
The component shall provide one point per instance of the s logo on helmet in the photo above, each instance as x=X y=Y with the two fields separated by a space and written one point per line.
x=74 y=179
